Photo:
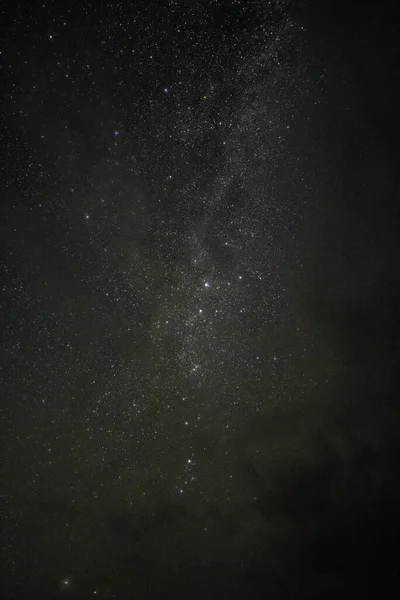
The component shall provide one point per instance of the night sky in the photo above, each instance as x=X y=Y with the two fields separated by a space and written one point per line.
x=200 y=315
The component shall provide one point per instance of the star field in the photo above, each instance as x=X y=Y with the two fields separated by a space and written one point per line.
x=166 y=232
x=165 y=189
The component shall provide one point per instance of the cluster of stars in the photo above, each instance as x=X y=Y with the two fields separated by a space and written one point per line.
x=149 y=248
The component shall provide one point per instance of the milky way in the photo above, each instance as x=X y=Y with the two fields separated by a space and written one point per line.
x=168 y=195
x=155 y=204
x=169 y=217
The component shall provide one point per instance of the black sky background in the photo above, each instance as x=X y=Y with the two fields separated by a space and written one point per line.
x=200 y=302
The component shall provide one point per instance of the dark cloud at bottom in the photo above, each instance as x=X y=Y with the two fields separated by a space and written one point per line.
x=324 y=520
